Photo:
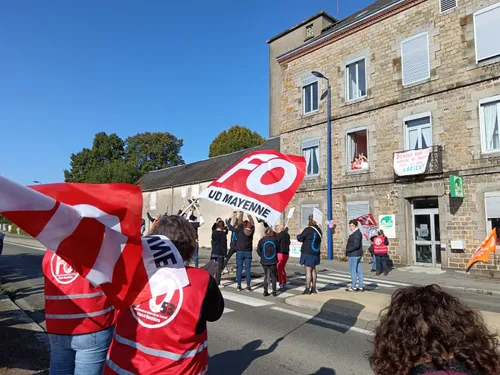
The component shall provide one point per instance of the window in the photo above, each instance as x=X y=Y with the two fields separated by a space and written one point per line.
x=486 y=30
x=418 y=132
x=310 y=94
x=357 y=149
x=309 y=31
x=355 y=210
x=489 y=118
x=415 y=56
x=492 y=205
x=446 y=5
x=310 y=150
x=356 y=80
x=306 y=210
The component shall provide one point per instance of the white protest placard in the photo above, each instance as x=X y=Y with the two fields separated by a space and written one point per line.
x=290 y=213
x=152 y=200
x=388 y=224
x=295 y=247
x=411 y=162
x=317 y=216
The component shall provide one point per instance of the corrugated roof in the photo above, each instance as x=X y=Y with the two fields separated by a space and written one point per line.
x=199 y=171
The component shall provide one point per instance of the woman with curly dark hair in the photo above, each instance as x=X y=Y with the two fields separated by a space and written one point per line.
x=428 y=331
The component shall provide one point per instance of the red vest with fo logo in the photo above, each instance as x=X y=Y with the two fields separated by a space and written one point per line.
x=72 y=305
x=379 y=246
x=158 y=336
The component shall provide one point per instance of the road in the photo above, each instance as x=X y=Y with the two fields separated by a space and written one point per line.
x=255 y=335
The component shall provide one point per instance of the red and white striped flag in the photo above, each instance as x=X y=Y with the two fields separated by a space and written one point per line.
x=96 y=229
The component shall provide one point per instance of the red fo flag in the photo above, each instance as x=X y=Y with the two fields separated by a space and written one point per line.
x=261 y=184
x=369 y=224
x=95 y=228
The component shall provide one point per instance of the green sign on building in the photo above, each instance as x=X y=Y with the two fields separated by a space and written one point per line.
x=456 y=186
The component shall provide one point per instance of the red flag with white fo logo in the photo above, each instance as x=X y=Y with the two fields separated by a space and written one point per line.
x=95 y=228
x=261 y=184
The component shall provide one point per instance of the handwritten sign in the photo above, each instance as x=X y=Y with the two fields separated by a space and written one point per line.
x=411 y=162
x=295 y=249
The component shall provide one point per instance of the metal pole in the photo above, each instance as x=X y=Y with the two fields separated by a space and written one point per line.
x=329 y=170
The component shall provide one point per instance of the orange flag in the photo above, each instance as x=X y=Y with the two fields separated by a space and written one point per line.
x=483 y=252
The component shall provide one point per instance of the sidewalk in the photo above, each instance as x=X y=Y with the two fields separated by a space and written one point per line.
x=361 y=308
x=23 y=344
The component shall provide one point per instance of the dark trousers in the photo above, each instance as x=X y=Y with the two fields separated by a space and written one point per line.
x=381 y=262
x=1 y=246
x=270 y=272
x=229 y=255
x=220 y=262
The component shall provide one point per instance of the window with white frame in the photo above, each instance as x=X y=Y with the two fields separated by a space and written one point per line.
x=305 y=211
x=415 y=59
x=355 y=79
x=310 y=98
x=310 y=151
x=357 y=149
x=489 y=118
x=356 y=210
x=486 y=32
x=492 y=205
x=418 y=131
x=446 y=5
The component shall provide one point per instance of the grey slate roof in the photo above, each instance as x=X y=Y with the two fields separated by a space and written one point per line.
x=199 y=171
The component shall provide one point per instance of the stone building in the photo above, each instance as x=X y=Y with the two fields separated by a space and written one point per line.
x=168 y=190
x=410 y=79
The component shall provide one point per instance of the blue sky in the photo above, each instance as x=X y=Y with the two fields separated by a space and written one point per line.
x=193 y=68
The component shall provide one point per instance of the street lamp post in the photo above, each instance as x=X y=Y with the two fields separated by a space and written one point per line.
x=328 y=161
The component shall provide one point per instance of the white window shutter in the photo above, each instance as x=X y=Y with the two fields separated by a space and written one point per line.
x=355 y=210
x=487 y=30
x=415 y=56
x=446 y=5
x=492 y=207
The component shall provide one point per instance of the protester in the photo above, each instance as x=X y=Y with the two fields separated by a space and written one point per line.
x=267 y=249
x=244 y=247
x=310 y=253
x=174 y=341
x=354 y=251
x=283 y=254
x=79 y=320
x=234 y=237
x=2 y=236
x=214 y=226
x=219 y=248
x=153 y=220
x=428 y=331
x=380 y=250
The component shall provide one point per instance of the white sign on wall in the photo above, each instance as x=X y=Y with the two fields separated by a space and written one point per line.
x=388 y=224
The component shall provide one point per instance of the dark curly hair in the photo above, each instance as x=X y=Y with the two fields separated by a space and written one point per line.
x=180 y=232
x=426 y=324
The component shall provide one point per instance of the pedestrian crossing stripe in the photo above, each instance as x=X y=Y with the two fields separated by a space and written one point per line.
x=348 y=277
x=226 y=310
x=246 y=300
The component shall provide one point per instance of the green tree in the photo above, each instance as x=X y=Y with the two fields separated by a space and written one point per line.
x=112 y=159
x=236 y=138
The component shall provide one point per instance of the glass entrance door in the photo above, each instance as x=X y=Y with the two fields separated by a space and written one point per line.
x=426 y=236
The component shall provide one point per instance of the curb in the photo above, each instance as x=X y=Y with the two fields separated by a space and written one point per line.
x=8 y=305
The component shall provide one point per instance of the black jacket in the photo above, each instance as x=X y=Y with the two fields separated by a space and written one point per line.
x=267 y=250
x=243 y=242
x=311 y=240
x=212 y=307
x=354 y=246
x=234 y=234
x=284 y=242
x=219 y=243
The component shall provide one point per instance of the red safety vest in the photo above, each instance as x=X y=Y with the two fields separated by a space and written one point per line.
x=158 y=336
x=72 y=305
x=379 y=246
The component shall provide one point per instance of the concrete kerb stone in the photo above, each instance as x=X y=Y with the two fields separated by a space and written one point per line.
x=7 y=305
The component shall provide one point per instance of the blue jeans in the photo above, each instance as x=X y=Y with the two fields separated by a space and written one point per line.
x=374 y=265
x=243 y=258
x=79 y=354
x=356 y=272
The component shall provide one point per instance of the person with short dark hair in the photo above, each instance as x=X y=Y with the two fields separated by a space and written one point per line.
x=310 y=255
x=354 y=251
x=219 y=248
x=168 y=334
x=244 y=248
x=426 y=331
x=267 y=249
